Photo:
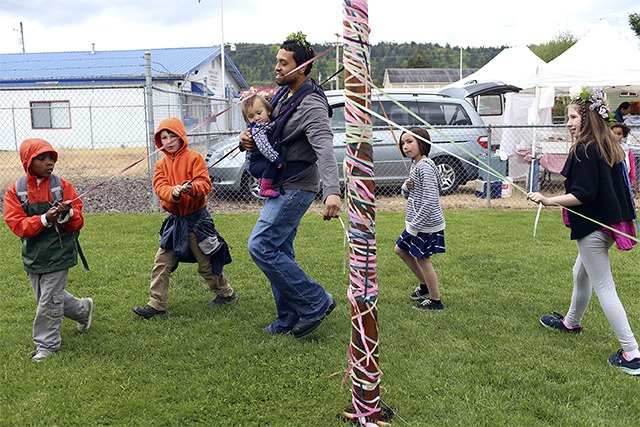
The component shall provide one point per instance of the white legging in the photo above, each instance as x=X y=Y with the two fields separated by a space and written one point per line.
x=593 y=270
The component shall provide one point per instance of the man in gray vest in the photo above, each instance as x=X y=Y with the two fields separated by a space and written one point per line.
x=301 y=302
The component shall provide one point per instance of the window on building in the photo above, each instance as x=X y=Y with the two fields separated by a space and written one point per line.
x=50 y=115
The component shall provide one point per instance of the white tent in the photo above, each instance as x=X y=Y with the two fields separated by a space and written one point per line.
x=517 y=66
x=603 y=57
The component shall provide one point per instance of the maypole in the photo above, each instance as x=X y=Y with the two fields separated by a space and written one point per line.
x=364 y=369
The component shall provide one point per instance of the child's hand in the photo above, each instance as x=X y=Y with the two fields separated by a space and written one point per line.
x=408 y=183
x=177 y=191
x=538 y=198
x=64 y=208
x=186 y=188
x=52 y=214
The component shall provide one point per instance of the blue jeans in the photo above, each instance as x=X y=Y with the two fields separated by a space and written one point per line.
x=297 y=297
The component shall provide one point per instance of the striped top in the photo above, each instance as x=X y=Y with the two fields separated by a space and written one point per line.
x=424 y=211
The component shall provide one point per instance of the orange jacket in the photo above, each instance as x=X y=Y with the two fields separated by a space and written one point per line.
x=14 y=214
x=177 y=168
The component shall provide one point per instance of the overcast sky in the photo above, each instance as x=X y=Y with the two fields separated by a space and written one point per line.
x=72 y=25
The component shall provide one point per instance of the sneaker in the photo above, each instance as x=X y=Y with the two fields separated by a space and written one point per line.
x=85 y=323
x=273 y=331
x=147 y=311
x=218 y=300
x=555 y=322
x=41 y=354
x=631 y=367
x=430 y=304
x=419 y=294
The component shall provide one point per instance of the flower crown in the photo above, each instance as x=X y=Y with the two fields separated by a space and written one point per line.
x=596 y=99
x=266 y=92
x=301 y=38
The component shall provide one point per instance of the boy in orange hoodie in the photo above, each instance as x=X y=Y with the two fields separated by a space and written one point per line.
x=49 y=245
x=188 y=234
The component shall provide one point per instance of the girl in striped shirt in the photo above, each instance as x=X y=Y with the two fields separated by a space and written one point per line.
x=424 y=225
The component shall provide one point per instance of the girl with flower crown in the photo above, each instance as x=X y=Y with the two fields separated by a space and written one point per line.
x=599 y=212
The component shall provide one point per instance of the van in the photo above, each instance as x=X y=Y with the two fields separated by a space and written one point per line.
x=458 y=139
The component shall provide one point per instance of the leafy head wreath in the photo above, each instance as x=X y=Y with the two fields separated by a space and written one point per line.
x=595 y=101
x=301 y=38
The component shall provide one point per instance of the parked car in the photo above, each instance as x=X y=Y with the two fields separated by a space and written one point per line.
x=455 y=118
x=486 y=97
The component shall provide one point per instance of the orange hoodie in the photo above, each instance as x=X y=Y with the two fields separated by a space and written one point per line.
x=14 y=214
x=177 y=168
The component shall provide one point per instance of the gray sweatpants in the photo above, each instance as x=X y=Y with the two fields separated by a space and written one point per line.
x=592 y=270
x=53 y=303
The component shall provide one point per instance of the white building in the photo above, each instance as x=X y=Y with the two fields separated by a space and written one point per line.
x=97 y=99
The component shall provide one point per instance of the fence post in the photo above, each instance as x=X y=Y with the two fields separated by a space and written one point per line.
x=148 y=91
x=489 y=176
x=13 y=119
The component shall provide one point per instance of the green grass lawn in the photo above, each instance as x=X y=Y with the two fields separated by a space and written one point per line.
x=485 y=360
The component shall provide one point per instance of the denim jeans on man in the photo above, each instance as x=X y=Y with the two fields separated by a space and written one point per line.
x=297 y=297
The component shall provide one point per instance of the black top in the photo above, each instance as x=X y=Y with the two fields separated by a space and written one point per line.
x=602 y=190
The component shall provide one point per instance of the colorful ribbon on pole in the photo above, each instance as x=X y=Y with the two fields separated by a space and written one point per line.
x=364 y=369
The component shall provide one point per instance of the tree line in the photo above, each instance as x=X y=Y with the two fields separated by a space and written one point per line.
x=256 y=61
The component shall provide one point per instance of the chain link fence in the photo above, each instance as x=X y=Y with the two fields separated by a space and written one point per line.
x=100 y=131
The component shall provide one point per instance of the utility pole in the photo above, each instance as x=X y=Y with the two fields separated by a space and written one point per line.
x=22 y=36
x=222 y=67
x=21 y=31
x=224 y=92
x=337 y=78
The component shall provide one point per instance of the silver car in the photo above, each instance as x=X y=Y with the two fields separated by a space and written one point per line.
x=459 y=138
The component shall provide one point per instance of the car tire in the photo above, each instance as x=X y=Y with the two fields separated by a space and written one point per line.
x=250 y=187
x=450 y=172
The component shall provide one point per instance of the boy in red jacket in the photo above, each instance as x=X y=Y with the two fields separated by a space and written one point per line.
x=49 y=245
x=182 y=182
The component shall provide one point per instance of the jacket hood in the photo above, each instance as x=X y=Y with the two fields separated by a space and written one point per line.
x=174 y=125
x=31 y=148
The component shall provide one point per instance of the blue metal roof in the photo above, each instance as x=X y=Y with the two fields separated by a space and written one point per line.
x=107 y=66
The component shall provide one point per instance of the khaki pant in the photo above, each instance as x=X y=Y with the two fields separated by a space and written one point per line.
x=165 y=261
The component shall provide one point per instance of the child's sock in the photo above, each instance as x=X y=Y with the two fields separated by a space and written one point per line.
x=424 y=288
x=630 y=355
x=266 y=190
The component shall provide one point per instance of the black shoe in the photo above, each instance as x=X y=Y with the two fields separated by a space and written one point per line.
x=305 y=328
x=430 y=304
x=419 y=294
x=224 y=300
x=271 y=331
x=147 y=311
x=555 y=321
